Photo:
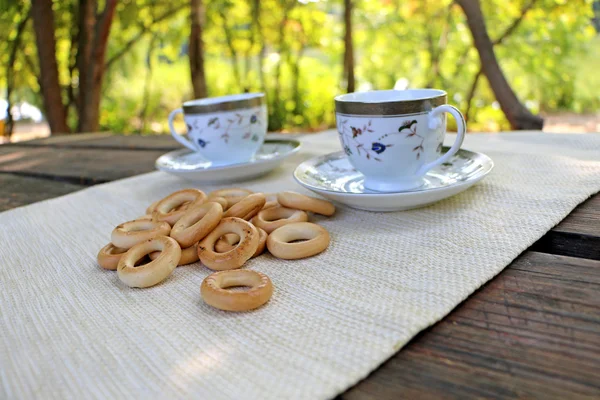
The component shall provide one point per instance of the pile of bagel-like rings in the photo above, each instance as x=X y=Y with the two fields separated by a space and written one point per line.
x=223 y=230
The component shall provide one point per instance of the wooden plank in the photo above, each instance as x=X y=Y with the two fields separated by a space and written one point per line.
x=59 y=139
x=578 y=235
x=585 y=219
x=106 y=141
x=18 y=191
x=569 y=244
x=109 y=141
x=85 y=166
x=532 y=332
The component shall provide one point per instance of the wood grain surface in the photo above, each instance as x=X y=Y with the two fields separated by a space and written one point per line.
x=16 y=191
x=80 y=165
x=532 y=332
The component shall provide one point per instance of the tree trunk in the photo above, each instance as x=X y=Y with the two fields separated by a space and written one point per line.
x=516 y=113
x=263 y=47
x=596 y=18
x=248 y=57
x=232 y=50
x=471 y=94
x=73 y=52
x=196 y=49
x=86 y=22
x=148 y=82
x=282 y=51
x=436 y=50
x=10 y=73
x=43 y=25
x=348 y=48
x=89 y=118
x=295 y=67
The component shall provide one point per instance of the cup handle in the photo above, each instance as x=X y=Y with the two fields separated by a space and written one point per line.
x=434 y=122
x=176 y=135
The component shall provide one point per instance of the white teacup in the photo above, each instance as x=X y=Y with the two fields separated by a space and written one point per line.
x=224 y=130
x=393 y=137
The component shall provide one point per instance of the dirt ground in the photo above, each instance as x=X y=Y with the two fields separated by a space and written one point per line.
x=556 y=123
x=572 y=123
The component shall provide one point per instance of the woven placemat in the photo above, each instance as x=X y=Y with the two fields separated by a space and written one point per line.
x=69 y=329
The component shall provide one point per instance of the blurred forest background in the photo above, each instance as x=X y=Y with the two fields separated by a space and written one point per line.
x=123 y=65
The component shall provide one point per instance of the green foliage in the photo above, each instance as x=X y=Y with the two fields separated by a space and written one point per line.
x=551 y=59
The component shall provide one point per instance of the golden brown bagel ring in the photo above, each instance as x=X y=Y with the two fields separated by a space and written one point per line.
x=248 y=207
x=271 y=200
x=188 y=255
x=228 y=242
x=236 y=257
x=196 y=223
x=274 y=217
x=221 y=200
x=172 y=207
x=152 y=207
x=214 y=290
x=262 y=242
x=316 y=240
x=183 y=206
x=109 y=256
x=130 y=233
x=232 y=195
x=155 y=271
x=301 y=202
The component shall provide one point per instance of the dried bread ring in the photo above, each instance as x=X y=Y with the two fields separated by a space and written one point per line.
x=301 y=202
x=228 y=242
x=172 y=207
x=275 y=217
x=130 y=233
x=183 y=206
x=235 y=257
x=188 y=255
x=156 y=270
x=271 y=200
x=214 y=290
x=152 y=207
x=109 y=256
x=316 y=239
x=262 y=242
x=232 y=195
x=248 y=207
x=196 y=223
x=221 y=200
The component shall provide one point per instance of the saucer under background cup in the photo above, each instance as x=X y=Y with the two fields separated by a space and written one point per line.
x=333 y=177
x=191 y=166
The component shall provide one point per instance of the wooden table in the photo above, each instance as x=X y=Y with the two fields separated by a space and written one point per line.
x=531 y=332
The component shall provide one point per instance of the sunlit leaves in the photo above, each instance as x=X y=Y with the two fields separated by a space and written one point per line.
x=551 y=59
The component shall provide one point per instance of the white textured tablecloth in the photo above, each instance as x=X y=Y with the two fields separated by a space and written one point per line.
x=69 y=329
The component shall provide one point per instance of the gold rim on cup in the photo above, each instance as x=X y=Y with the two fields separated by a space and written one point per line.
x=224 y=103
x=352 y=105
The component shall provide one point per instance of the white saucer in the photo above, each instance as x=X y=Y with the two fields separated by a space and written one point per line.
x=192 y=166
x=333 y=177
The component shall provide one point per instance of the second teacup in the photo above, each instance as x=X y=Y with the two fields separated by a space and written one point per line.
x=224 y=130
x=393 y=137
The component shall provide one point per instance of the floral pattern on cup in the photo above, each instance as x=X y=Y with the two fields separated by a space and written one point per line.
x=408 y=129
x=222 y=126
